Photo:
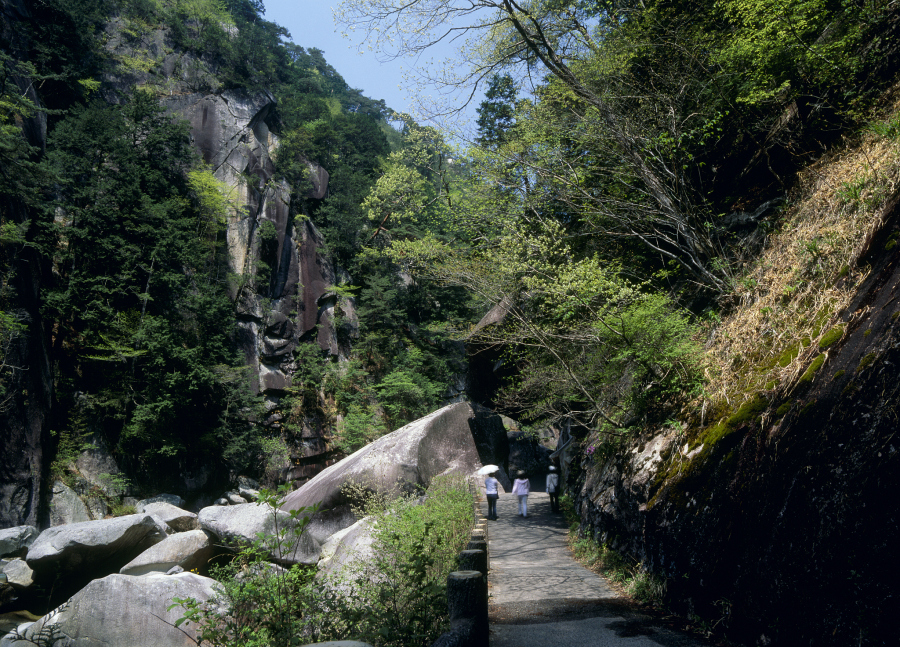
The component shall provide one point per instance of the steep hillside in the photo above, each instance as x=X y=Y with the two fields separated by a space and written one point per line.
x=179 y=237
x=769 y=509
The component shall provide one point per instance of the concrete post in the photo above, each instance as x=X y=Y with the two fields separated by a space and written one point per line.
x=467 y=602
x=473 y=560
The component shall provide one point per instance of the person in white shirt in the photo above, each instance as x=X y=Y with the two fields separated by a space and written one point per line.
x=492 y=492
x=521 y=488
x=553 y=489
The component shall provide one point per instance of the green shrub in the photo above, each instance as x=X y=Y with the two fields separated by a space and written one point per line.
x=398 y=597
x=259 y=604
x=395 y=598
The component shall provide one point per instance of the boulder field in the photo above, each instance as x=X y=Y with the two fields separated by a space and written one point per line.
x=122 y=573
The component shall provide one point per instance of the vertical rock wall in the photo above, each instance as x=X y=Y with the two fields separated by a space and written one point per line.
x=294 y=300
x=25 y=411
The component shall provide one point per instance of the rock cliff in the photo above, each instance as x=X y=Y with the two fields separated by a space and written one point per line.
x=783 y=524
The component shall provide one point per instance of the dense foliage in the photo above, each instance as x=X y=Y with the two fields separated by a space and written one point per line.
x=395 y=599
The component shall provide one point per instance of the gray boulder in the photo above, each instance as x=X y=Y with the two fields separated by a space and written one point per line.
x=234 y=498
x=92 y=547
x=402 y=461
x=171 y=499
x=189 y=550
x=66 y=507
x=122 y=611
x=99 y=468
x=241 y=525
x=348 y=546
x=18 y=574
x=15 y=541
x=178 y=520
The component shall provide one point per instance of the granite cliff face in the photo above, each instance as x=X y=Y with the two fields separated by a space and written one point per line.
x=282 y=284
x=24 y=416
x=785 y=529
x=230 y=132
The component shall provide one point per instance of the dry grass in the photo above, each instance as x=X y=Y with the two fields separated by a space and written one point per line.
x=792 y=293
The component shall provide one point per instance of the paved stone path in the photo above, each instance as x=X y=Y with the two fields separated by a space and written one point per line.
x=541 y=597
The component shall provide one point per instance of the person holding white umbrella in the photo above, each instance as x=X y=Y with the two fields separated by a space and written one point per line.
x=491 y=489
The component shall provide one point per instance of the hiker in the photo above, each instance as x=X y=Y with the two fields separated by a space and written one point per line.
x=492 y=492
x=553 y=489
x=521 y=487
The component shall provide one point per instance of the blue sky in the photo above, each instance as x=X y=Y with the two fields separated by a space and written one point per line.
x=311 y=25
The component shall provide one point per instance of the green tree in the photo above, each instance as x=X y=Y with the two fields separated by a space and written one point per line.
x=141 y=318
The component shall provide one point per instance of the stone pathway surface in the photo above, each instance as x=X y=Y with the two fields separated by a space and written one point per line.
x=541 y=597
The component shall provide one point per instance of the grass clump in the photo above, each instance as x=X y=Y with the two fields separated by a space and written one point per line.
x=790 y=292
x=118 y=509
x=638 y=583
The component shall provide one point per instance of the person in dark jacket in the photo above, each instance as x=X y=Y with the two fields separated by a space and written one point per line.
x=553 y=489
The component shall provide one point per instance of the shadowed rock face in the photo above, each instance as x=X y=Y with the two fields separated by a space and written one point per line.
x=410 y=457
x=230 y=131
x=24 y=420
x=795 y=523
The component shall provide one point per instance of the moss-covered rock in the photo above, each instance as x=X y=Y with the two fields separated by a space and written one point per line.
x=811 y=371
x=830 y=337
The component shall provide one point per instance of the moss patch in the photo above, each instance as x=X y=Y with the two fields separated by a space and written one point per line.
x=867 y=333
x=782 y=410
x=807 y=409
x=831 y=336
x=788 y=355
x=813 y=368
x=839 y=374
x=865 y=362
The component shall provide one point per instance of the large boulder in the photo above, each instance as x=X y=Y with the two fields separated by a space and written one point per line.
x=123 y=611
x=177 y=519
x=189 y=550
x=400 y=462
x=171 y=499
x=18 y=574
x=66 y=507
x=240 y=525
x=15 y=541
x=348 y=546
x=80 y=552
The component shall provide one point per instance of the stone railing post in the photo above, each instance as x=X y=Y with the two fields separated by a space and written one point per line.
x=467 y=601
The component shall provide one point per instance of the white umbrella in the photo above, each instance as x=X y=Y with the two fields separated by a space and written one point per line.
x=487 y=469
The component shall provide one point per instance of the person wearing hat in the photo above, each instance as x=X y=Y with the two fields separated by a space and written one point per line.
x=553 y=489
x=521 y=487
x=492 y=493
